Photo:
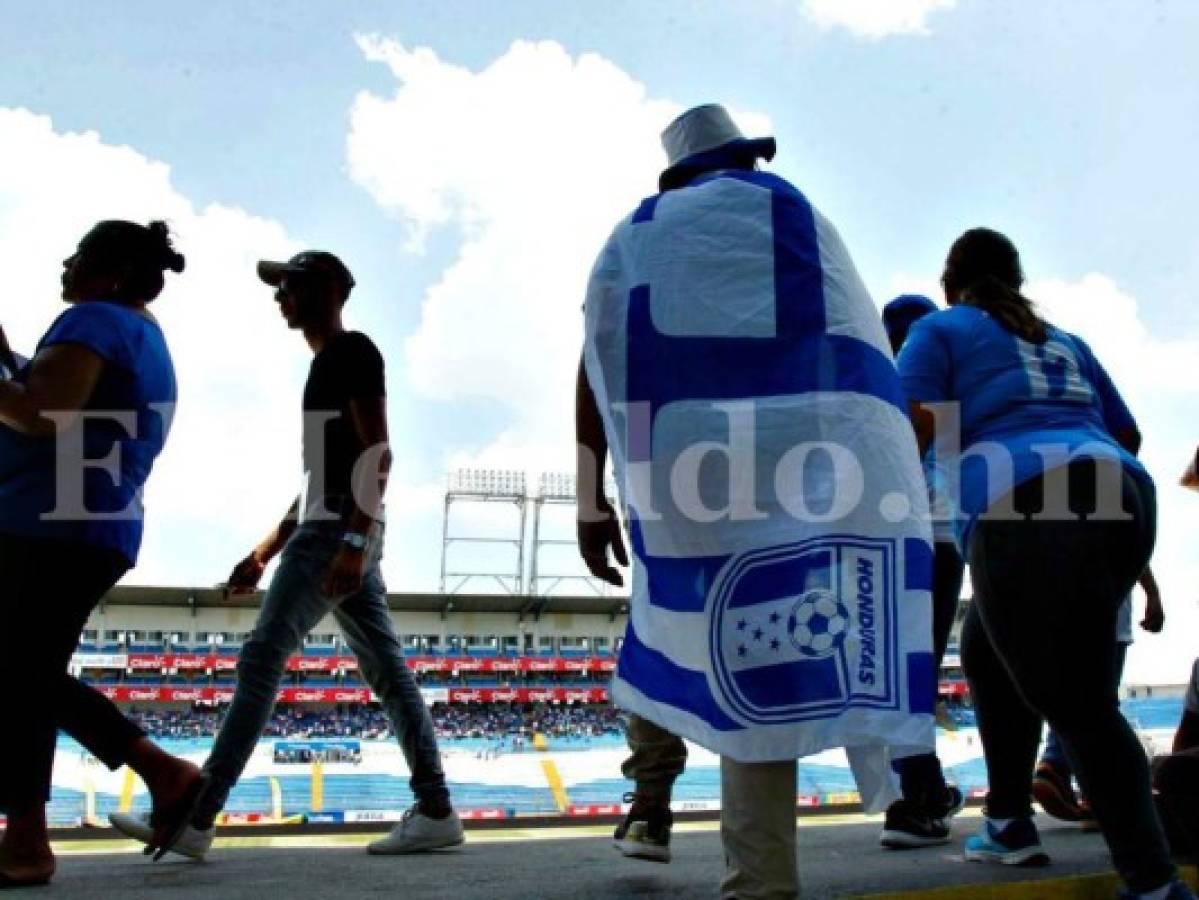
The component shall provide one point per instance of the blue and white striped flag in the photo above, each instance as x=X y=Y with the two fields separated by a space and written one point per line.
x=776 y=505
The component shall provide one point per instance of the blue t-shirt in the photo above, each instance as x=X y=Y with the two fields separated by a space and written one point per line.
x=137 y=383
x=1016 y=395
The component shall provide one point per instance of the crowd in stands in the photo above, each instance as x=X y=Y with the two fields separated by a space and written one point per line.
x=456 y=721
x=485 y=720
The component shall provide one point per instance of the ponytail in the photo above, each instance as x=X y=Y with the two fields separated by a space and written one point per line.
x=167 y=257
x=983 y=270
x=1008 y=307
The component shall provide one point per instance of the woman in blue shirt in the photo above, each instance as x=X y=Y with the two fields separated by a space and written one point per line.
x=80 y=427
x=1056 y=519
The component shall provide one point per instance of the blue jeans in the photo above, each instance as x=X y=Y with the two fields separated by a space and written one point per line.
x=293 y=605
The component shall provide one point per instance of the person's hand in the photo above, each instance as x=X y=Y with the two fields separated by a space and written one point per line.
x=245 y=576
x=1155 y=613
x=1190 y=478
x=345 y=572
x=596 y=538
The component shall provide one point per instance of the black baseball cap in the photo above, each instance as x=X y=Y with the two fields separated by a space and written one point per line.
x=310 y=262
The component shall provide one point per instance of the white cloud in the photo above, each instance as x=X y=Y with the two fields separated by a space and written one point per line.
x=232 y=461
x=531 y=161
x=1153 y=374
x=875 y=19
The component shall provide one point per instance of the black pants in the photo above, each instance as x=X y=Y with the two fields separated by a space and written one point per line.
x=920 y=777
x=47 y=590
x=1039 y=643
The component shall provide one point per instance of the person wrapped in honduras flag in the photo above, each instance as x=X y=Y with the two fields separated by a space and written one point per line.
x=770 y=480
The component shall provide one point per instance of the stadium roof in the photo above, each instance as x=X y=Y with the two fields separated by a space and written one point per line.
x=209 y=598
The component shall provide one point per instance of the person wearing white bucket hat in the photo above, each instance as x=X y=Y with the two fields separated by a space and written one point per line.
x=702 y=140
x=728 y=290
x=706 y=139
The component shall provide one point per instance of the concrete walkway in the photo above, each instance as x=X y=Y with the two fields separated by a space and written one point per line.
x=839 y=858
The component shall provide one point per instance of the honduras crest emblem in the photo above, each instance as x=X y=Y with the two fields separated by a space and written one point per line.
x=804 y=631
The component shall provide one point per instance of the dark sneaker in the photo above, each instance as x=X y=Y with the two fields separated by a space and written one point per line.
x=1053 y=791
x=1016 y=845
x=951 y=803
x=907 y=826
x=645 y=831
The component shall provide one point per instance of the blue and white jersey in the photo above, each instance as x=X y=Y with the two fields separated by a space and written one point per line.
x=777 y=509
x=1024 y=408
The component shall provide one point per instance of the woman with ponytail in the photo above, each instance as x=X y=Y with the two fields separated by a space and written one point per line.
x=1056 y=518
x=80 y=427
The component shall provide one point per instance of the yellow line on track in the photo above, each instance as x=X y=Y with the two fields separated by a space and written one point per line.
x=1102 y=886
x=557 y=788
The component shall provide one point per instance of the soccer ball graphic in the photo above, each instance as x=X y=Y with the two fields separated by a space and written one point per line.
x=818 y=623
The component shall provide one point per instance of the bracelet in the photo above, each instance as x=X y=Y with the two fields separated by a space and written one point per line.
x=356 y=540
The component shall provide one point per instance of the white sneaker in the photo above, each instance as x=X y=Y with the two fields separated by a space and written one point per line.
x=417 y=833
x=193 y=842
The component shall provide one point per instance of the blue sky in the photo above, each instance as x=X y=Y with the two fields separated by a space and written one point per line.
x=467 y=179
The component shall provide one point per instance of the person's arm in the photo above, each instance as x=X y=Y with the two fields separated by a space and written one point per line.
x=246 y=574
x=369 y=417
x=598 y=524
x=924 y=374
x=1117 y=417
x=1155 y=613
x=1190 y=478
x=1187 y=735
x=60 y=382
x=924 y=423
x=1129 y=439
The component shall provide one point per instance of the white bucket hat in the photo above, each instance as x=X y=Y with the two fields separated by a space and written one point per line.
x=703 y=137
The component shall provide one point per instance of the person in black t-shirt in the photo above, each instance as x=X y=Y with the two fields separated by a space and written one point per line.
x=347 y=368
x=330 y=542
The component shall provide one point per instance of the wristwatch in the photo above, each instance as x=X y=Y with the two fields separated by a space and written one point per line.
x=355 y=540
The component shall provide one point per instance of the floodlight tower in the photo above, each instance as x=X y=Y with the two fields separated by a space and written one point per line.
x=485 y=486
x=556 y=489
